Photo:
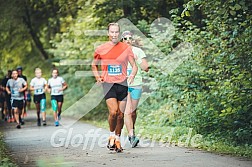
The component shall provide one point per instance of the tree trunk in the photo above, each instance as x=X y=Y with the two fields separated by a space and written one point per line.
x=35 y=38
x=127 y=9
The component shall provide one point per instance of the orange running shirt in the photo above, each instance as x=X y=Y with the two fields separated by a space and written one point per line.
x=114 y=60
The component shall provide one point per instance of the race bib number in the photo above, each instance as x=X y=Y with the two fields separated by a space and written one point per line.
x=39 y=90
x=15 y=92
x=114 y=70
x=55 y=90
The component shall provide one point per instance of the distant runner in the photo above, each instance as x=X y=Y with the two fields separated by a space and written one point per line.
x=16 y=86
x=7 y=101
x=39 y=86
x=20 y=75
x=56 y=86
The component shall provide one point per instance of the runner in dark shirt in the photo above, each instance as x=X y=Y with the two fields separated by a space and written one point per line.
x=20 y=75
x=7 y=103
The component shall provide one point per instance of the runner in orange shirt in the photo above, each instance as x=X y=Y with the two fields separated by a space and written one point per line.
x=114 y=57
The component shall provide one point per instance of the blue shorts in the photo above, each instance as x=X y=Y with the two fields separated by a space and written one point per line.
x=135 y=93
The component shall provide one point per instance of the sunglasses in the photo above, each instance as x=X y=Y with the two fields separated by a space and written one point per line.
x=128 y=38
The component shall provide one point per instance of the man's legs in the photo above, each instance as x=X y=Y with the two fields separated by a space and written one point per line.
x=115 y=120
x=112 y=105
x=112 y=120
x=16 y=114
x=23 y=110
x=17 y=108
x=120 y=117
x=13 y=115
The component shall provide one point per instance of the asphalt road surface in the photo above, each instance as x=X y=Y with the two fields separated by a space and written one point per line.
x=85 y=145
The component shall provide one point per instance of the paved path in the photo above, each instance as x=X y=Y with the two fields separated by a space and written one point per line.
x=85 y=145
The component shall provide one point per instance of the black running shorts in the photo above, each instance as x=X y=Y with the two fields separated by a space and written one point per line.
x=116 y=90
x=38 y=98
x=17 y=104
x=58 y=98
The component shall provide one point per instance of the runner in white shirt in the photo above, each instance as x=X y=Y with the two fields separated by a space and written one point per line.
x=39 y=86
x=16 y=86
x=56 y=86
x=135 y=88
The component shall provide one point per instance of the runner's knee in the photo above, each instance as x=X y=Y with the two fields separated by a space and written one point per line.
x=113 y=113
x=113 y=110
x=120 y=115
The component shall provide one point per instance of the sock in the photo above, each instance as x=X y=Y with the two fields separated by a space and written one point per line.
x=112 y=133
x=117 y=137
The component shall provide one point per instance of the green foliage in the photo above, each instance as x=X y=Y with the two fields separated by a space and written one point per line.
x=4 y=159
x=26 y=27
x=76 y=45
x=211 y=92
x=133 y=10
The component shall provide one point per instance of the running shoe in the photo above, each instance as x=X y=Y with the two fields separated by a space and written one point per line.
x=44 y=122
x=118 y=147
x=133 y=141
x=9 y=120
x=22 y=121
x=18 y=126
x=38 y=122
x=56 y=123
x=111 y=143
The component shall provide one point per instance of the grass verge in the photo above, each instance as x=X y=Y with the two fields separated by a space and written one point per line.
x=5 y=161
x=185 y=137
